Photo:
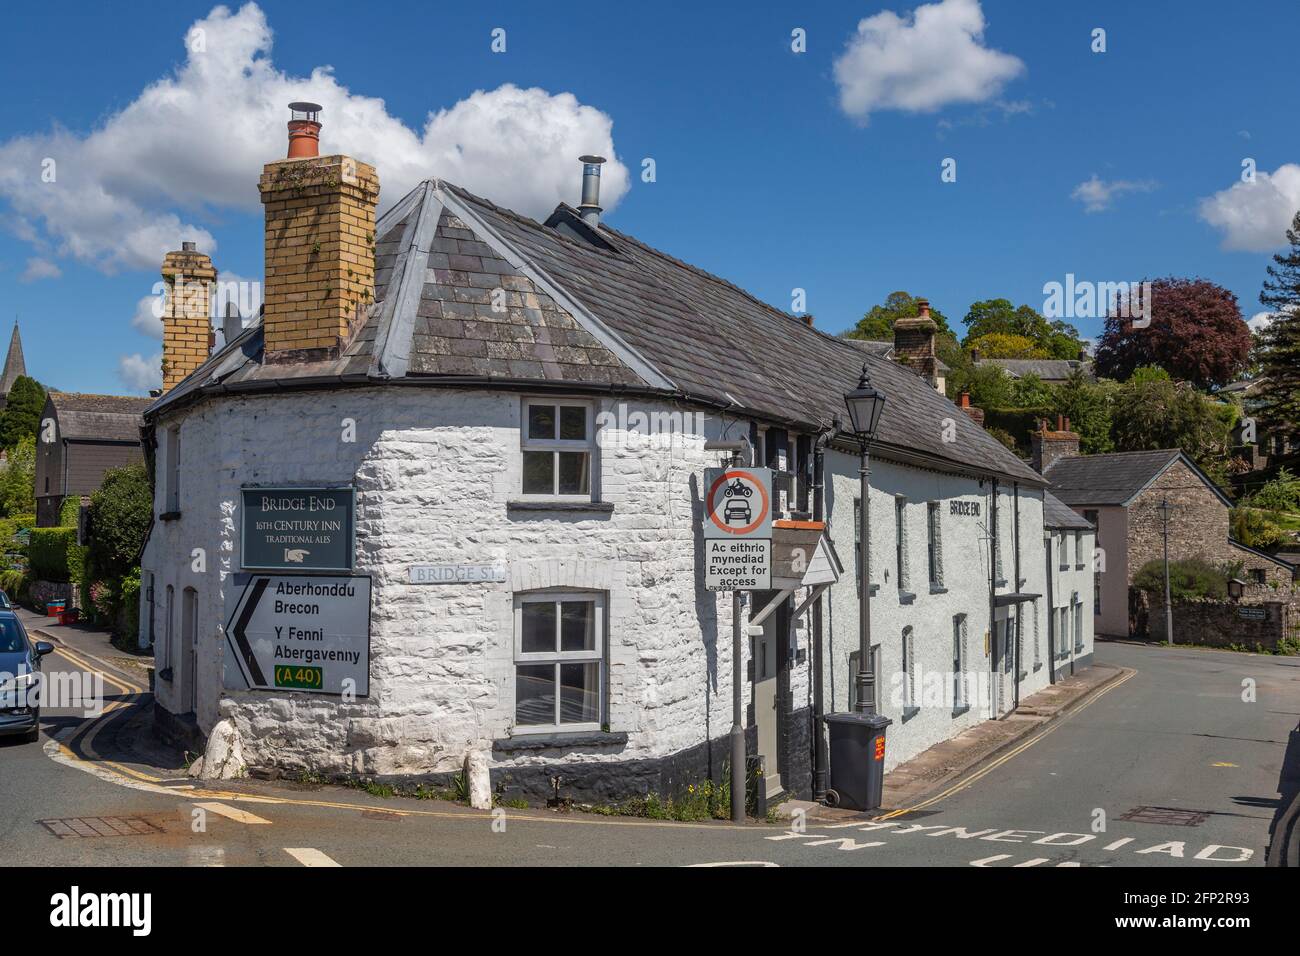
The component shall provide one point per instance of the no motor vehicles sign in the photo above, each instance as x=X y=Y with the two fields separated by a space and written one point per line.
x=737 y=529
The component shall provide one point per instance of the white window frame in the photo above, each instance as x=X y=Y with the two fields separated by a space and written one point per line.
x=172 y=484
x=909 y=671
x=934 y=542
x=959 y=675
x=901 y=544
x=1077 y=617
x=558 y=657
x=588 y=445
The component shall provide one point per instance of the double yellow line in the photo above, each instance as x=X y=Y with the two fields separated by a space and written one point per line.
x=89 y=729
x=993 y=765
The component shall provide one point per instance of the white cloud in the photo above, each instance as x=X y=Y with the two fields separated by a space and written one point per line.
x=38 y=269
x=195 y=141
x=1097 y=194
x=1260 y=321
x=1254 y=217
x=140 y=374
x=933 y=57
x=147 y=318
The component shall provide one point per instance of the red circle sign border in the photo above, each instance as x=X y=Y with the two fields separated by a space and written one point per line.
x=713 y=514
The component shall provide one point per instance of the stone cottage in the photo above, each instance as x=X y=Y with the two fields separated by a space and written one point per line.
x=497 y=428
x=1121 y=495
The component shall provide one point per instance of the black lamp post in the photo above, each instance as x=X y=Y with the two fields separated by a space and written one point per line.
x=857 y=740
x=865 y=404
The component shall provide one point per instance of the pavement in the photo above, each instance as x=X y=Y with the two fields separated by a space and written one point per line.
x=1186 y=758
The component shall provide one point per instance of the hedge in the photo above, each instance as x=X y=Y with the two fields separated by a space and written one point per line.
x=70 y=511
x=47 y=552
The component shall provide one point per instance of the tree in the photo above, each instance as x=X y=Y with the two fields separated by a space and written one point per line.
x=18 y=479
x=1196 y=333
x=1280 y=353
x=1006 y=345
x=878 y=324
x=22 y=414
x=1158 y=413
x=1255 y=528
x=988 y=385
x=1087 y=404
x=1030 y=391
x=117 y=521
x=1058 y=339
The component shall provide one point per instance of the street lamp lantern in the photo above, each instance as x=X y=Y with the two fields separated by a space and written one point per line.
x=865 y=403
x=857 y=740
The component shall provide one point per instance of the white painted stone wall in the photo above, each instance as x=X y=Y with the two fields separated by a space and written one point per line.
x=1074 y=579
x=434 y=470
x=964 y=540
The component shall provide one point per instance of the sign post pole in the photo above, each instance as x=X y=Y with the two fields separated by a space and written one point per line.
x=737 y=711
x=737 y=558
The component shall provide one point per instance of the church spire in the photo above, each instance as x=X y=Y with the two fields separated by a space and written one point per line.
x=14 y=364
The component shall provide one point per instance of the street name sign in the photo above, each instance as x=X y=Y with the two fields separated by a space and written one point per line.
x=305 y=633
x=456 y=573
x=297 y=529
x=737 y=529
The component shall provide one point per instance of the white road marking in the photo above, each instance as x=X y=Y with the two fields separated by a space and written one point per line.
x=231 y=813
x=764 y=863
x=206 y=856
x=309 y=856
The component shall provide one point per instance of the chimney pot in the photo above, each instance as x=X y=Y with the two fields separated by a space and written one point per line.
x=924 y=306
x=188 y=247
x=589 y=208
x=1060 y=423
x=965 y=399
x=304 y=130
x=1067 y=424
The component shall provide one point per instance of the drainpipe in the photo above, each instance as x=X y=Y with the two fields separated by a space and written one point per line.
x=993 y=593
x=819 y=755
x=1015 y=487
x=1051 y=613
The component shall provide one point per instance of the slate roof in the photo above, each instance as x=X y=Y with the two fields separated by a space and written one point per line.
x=597 y=310
x=98 y=417
x=1057 y=514
x=1053 y=370
x=1117 y=478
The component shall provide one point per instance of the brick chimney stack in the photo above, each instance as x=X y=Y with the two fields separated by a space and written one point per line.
x=975 y=414
x=1049 y=446
x=187 y=326
x=914 y=344
x=320 y=254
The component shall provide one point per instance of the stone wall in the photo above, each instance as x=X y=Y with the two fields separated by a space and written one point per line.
x=437 y=472
x=1221 y=623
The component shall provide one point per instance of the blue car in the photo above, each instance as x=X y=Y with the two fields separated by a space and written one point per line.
x=20 y=662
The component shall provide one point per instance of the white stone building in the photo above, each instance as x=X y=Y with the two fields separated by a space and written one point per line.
x=534 y=399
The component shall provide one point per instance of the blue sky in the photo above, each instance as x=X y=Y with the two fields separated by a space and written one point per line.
x=774 y=169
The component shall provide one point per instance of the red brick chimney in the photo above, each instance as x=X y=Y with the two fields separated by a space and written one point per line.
x=914 y=344
x=1049 y=446
x=976 y=414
